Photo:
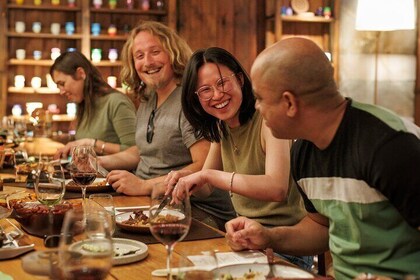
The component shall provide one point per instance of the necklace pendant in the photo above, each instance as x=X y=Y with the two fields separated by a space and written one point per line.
x=235 y=150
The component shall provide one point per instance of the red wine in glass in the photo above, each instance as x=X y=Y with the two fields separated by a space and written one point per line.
x=83 y=178
x=91 y=273
x=169 y=233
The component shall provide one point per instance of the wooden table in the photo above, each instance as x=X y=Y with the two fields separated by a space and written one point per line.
x=139 y=270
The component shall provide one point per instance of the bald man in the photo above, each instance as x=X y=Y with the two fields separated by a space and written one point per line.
x=356 y=166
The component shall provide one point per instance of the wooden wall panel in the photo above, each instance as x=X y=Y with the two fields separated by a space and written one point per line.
x=236 y=25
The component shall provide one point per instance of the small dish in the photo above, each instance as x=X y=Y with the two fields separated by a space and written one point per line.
x=125 y=250
x=11 y=252
x=18 y=244
x=99 y=185
x=120 y=218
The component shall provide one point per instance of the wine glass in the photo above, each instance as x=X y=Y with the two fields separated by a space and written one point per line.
x=169 y=224
x=49 y=184
x=85 y=249
x=106 y=201
x=83 y=167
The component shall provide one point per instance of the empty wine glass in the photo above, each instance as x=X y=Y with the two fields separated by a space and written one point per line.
x=83 y=167
x=85 y=250
x=106 y=201
x=49 y=184
x=169 y=222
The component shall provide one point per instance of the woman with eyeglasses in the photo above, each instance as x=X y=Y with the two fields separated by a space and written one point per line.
x=244 y=158
x=106 y=118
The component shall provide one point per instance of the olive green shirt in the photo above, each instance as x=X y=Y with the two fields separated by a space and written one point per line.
x=251 y=160
x=113 y=120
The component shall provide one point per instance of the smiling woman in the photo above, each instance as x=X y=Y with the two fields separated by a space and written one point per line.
x=81 y=82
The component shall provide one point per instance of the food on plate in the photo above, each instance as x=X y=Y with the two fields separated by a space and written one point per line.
x=34 y=217
x=8 y=200
x=167 y=218
x=138 y=219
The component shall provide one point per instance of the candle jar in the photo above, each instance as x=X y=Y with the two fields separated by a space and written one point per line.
x=69 y=28
x=55 y=52
x=112 y=4
x=17 y=110
x=19 y=81
x=37 y=54
x=112 y=81
x=19 y=2
x=145 y=5
x=96 y=28
x=327 y=12
x=159 y=5
x=20 y=26
x=36 y=83
x=37 y=2
x=55 y=2
x=113 y=55
x=112 y=30
x=36 y=27
x=55 y=28
x=20 y=54
x=97 y=3
x=71 y=3
x=96 y=55
x=130 y=4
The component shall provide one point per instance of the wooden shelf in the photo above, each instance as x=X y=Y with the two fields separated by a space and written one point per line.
x=109 y=37
x=29 y=90
x=44 y=35
x=31 y=62
x=297 y=18
x=107 y=63
x=129 y=11
x=45 y=7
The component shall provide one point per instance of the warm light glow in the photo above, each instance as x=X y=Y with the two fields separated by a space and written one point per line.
x=385 y=15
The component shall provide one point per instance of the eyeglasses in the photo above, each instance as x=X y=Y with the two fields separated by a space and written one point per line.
x=150 y=128
x=224 y=84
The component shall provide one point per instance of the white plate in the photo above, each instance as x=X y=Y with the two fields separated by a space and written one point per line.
x=11 y=252
x=238 y=270
x=120 y=218
x=121 y=247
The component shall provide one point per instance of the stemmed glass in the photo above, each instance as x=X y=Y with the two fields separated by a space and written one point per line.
x=49 y=184
x=85 y=249
x=83 y=167
x=169 y=224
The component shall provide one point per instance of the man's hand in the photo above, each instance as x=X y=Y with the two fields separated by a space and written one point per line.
x=125 y=182
x=243 y=233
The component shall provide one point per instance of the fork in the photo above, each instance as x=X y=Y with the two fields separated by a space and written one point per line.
x=270 y=260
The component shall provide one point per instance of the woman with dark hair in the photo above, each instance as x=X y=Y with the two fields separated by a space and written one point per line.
x=106 y=118
x=244 y=158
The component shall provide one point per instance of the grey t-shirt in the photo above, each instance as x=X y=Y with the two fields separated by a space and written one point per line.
x=169 y=149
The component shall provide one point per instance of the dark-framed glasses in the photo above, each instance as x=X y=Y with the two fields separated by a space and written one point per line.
x=150 y=128
x=224 y=84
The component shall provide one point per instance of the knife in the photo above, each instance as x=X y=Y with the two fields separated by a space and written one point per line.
x=165 y=200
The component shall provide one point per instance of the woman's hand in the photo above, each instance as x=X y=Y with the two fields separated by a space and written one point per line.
x=64 y=152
